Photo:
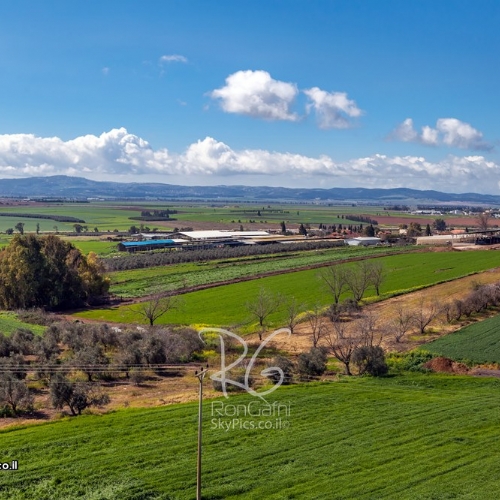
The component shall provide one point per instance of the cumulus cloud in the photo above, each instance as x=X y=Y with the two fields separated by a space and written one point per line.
x=257 y=94
x=333 y=109
x=173 y=58
x=119 y=154
x=112 y=152
x=448 y=131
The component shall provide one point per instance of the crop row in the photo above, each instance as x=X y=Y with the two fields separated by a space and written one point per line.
x=142 y=282
x=226 y=305
x=479 y=343
x=408 y=437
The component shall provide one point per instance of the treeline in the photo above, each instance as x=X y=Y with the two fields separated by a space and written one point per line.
x=139 y=261
x=57 y=218
x=398 y=208
x=69 y=358
x=360 y=218
x=147 y=215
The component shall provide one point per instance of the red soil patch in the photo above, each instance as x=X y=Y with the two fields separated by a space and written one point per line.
x=446 y=365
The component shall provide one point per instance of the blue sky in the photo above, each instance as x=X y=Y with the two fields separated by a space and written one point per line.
x=295 y=93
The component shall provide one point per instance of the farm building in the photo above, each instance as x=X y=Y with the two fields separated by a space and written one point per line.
x=147 y=245
x=364 y=241
x=217 y=235
x=489 y=237
x=196 y=240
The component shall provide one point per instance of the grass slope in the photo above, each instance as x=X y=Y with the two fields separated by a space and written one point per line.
x=225 y=305
x=9 y=323
x=413 y=437
x=479 y=343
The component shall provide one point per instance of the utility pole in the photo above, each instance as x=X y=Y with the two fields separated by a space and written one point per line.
x=200 y=376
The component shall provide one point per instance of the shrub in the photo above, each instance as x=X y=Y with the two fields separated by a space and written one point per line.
x=371 y=360
x=287 y=367
x=409 y=361
x=312 y=364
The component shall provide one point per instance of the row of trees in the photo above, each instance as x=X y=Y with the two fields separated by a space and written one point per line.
x=143 y=260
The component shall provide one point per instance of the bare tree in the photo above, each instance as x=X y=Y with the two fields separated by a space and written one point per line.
x=482 y=221
x=157 y=307
x=401 y=323
x=334 y=278
x=316 y=322
x=376 y=273
x=342 y=341
x=358 y=280
x=265 y=304
x=424 y=314
x=293 y=309
x=370 y=336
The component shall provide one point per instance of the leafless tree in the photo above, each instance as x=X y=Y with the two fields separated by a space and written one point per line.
x=316 y=322
x=402 y=322
x=293 y=309
x=335 y=280
x=157 y=307
x=424 y=314
x=265 y=304
x=358 y=279
x=376 y=273
x=370 y=336
x=342 y=341
x=483 y=220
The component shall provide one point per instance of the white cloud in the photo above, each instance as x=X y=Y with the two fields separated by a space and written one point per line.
x=173 y=58
x=333 y=109
x=105 y=71
x=449 y=132
x=405 y=132
x=257 y=94
x=117 y=154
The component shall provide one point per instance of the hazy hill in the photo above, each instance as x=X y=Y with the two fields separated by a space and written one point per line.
x=79 y=187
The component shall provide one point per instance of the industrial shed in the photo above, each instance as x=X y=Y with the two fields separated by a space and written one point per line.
x=364 y=241
x=146 y=245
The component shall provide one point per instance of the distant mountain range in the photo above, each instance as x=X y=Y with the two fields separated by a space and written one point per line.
x=61 y=186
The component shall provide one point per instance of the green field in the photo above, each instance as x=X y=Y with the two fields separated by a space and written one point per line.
x=225 y=305
x=9 y=323
x=141 y=282
x=104 y=216
x=412 y=437
x=479 y=343
x=101 y=248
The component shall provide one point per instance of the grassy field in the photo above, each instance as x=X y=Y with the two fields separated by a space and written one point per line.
x=101 y=248
x=104 y=216
x=225 y=305
x=9 y=323
x=411 y=437
x=479 y=343
x=141 y=282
